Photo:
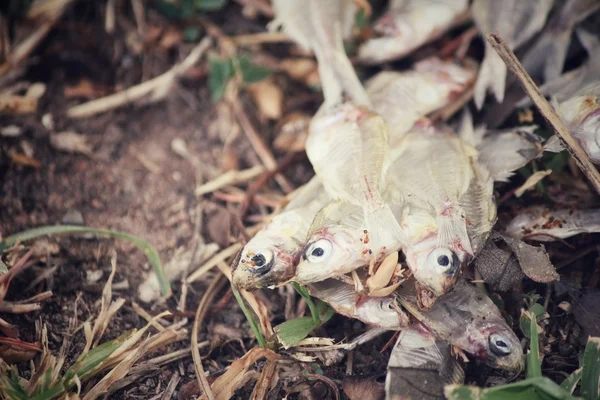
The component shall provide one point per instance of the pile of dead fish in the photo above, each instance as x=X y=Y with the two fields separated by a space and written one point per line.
x=390 y=181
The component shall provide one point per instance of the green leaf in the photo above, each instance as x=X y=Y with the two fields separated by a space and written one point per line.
x=181 y=11
x=534 y=366
x=311 y=305
x=250 y=72
x=291 y=332
x=524 y=321
x=571 y=382
x=209 y=5
x=151 y=254
x=192 y=33
x=590 y=375
x=219 y=73
x=360 y=19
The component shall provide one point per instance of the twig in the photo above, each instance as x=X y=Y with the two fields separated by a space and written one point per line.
x=261 y=37
x=546 y=109
x=259 y=146
x=168 y=393
x=156 y=87
x=221 y=256
x=229 y=178
x=214 y=287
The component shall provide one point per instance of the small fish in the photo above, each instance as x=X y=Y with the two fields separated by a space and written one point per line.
x=447 y=197
x=269 y=257
x=572 y=82
x=381 y=312
x=420 y=366
x=544 y=225
x=409 y=24
x=581 y=114
x=402 y=98
x=547 y=56
x=469 y=320
x=516 y=22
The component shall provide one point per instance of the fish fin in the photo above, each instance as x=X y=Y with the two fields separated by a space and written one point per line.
x=337 y=213
x=554 y=145
x=466 y=130
x=420 y=366
x=589 y=41
x=451 y=228
x=384 y=229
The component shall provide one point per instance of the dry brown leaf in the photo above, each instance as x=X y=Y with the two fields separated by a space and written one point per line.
x=304 y=70
x=218 y=225
x=170 y=39
x=71 y=142
x=85 y=89
x=14 y=350
x=363 y=389
x=268 y=98
x=231 y=380
x=267 y=379
x=531 y=182
x=292 y=133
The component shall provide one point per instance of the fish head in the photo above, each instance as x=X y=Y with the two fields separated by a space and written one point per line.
x=436 y=269
x=265 y=261
x=500 y=347
x=331 y=251
x=382 y=312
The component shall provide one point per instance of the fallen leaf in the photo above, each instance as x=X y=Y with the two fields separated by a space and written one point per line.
x=268 y=98
x=71 y=142
x=15 y=350
x=24 y=160
x=226 y=384
x=363 y=389
x=170 y=39
x=534 y=260
x=531 y=182
x=498 y=267
x=292 y=133
x=85 y=89
x=218 y=225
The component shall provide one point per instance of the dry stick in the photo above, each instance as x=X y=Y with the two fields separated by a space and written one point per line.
x=157 y=87
x=546 y=110
x=259 y=146
x=214 y=287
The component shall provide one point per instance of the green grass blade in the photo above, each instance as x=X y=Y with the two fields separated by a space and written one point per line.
x=572 y=380
x=534 y=366
x=147 y=249
x=540 y=388
x=590 y=374
x=311 y=305
x=250 y=317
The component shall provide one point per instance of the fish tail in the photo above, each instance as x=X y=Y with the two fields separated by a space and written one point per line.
x=492 y=75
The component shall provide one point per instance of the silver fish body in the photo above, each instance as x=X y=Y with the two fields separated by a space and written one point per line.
x=407 y=25
x=544 y=225
x=468 y=319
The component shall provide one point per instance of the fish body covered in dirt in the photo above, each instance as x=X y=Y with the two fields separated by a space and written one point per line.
x=516 y=22
x=469 y=320
x=402 y=98
x=544 y=225
x=581 y=114
x=380 y=312
x=446 y=206
x=420 y=366
x=407 y=25
x=270 y=256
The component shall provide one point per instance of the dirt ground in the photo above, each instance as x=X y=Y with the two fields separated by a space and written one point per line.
x=133 y=181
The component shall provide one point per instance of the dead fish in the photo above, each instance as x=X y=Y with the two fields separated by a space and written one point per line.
x=407 y=25
x=402 y=98
x=380 y=312
x=269 y=257
x=420 y=366
x=570 y=83
x=516 y=22
x=446 y=205
x=502 y=152
x=547 y=56
x=581 y=114
x=544 y=225
x=469 y=320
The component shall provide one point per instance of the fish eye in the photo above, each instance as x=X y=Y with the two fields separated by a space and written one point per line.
x=443 y=260
x=499 y=345
x=318 y=251
x=262 y=261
